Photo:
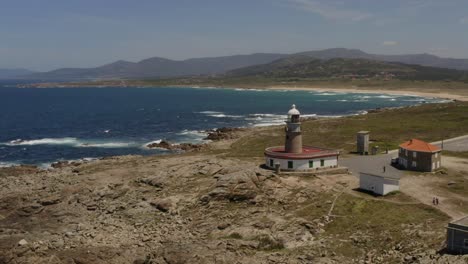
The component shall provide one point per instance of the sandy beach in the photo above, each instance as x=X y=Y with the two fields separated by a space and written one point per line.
x=442 y=95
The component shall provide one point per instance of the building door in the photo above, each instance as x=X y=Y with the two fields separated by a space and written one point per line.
x=403 y=162
x=311 y=163
x=322 y=163
x=271 y=163
x=290 y=165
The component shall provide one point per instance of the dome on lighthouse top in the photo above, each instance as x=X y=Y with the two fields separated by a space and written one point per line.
x=293 y=111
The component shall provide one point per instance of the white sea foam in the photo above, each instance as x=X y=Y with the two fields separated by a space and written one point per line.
x=194 y=136
x=70 y=141
x=327 y=93
x=43 y=141
x=210 y=112
x=225 y=116
x=8 y=164
x=107 y=145
x=250 y=90
x=219 y=114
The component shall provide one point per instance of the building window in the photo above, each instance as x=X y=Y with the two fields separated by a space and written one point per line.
x=271 y=163
x=414 y=164
x=406 y=152
x=290 y=164
x=311 y=163
x=436 y=154
x=414 y=154
x=322 y=163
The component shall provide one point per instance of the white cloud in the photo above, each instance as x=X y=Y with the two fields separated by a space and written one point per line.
x=328 y=11
x=390 y=43
x=464 y=20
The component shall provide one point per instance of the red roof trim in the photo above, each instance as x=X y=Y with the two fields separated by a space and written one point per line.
x=309 y=153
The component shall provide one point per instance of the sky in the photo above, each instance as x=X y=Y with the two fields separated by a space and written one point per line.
x=48 y=34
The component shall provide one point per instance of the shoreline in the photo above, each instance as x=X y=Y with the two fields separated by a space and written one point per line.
x=370 y=90
x=376 y=91
x=209 y=144
x=248 y=130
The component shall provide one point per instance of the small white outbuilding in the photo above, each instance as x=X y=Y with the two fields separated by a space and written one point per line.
x=380 y=184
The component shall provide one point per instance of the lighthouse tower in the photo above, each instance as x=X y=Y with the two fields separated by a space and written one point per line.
x=293 y=156
x=293 y=132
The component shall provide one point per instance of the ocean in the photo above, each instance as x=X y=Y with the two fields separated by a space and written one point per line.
x=41 y=126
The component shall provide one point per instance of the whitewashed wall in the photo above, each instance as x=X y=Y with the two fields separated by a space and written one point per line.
x=302 y=164
x=378 y=185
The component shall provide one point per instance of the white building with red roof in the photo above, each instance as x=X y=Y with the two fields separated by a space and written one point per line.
x=419 y=155
x=293 y=156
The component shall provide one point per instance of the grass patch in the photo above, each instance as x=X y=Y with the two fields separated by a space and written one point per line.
x=378 y=225
x=235 y=235
x=373 y=215
x=268 y=243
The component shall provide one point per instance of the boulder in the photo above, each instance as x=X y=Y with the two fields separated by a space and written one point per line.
x=154 y=181
x=22 y=242
x=162 y=205
x=240 y=185
x=50 y=200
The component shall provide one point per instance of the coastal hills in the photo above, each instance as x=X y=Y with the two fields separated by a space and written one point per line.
x=302 y=66
x=157 y=67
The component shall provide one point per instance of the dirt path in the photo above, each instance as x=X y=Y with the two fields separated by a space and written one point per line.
x=424 y=188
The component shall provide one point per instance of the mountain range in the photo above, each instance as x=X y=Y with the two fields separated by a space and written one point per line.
x=14 y=73
x=157 y=67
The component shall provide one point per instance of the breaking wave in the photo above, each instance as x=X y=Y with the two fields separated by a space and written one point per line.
x=219 y=114
x=69 y=141
x=8 y=164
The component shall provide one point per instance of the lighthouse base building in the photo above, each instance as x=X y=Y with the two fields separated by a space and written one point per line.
x=293 y=156
x=310 y=158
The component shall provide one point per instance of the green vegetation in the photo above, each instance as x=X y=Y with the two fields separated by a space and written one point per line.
x=235 y=235
x=265 y=242
x=388 y=128
x=307 y=67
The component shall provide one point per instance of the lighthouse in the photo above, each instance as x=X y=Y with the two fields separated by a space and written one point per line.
x=294 y=156
x=293 y=131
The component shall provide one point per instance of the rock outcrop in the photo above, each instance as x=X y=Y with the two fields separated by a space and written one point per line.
x=182 y=146
x=223 y=133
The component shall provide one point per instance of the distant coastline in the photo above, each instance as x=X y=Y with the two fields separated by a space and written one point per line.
x=442 y=93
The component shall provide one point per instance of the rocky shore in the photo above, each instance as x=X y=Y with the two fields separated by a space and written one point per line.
x=220 y=134
x=192 y=208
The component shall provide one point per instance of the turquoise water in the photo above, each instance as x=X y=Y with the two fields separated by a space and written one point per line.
x=39 y=126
